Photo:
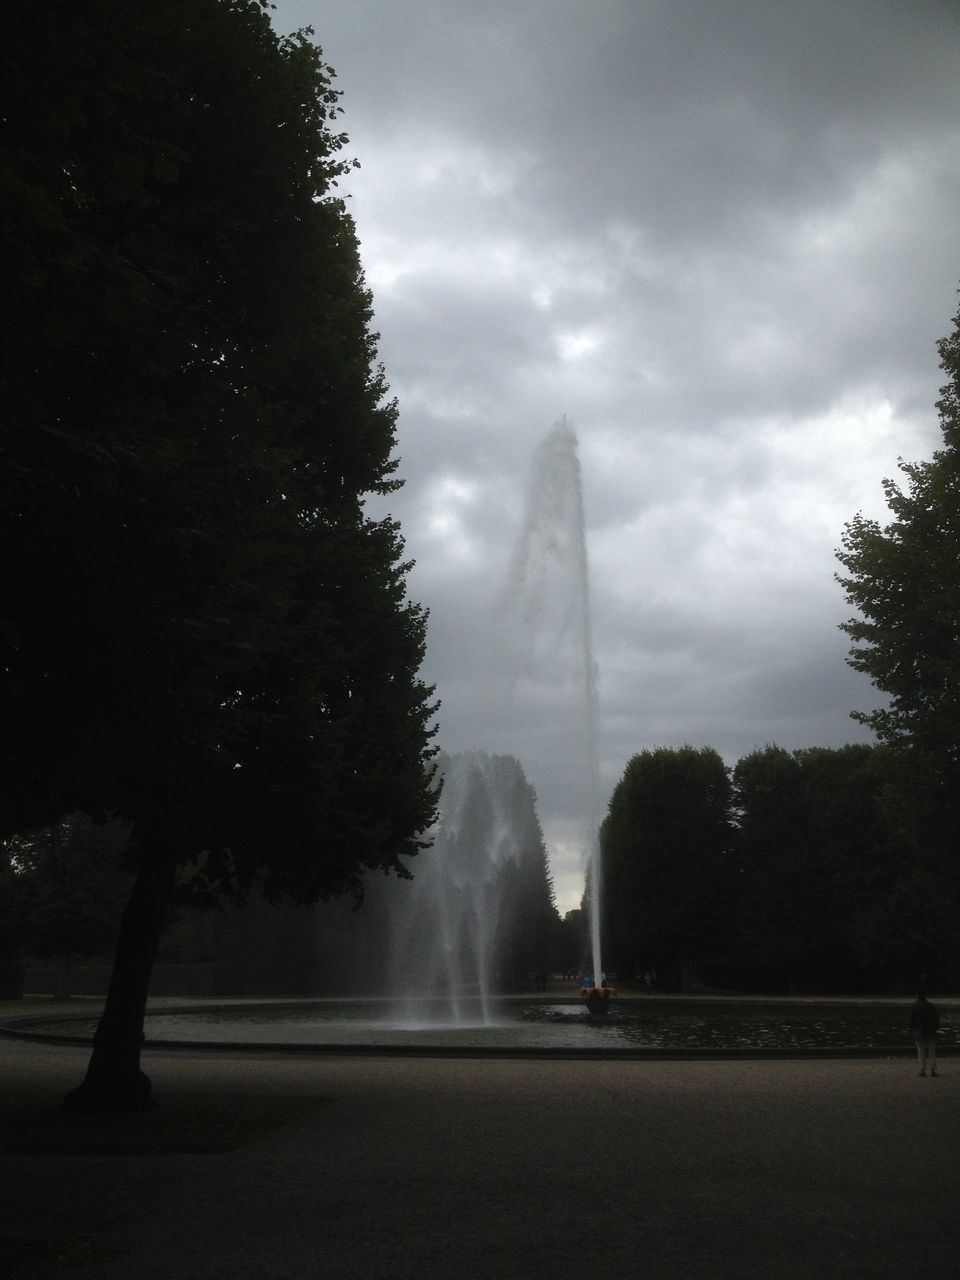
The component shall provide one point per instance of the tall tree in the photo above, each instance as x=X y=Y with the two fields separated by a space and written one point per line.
x=838 y=887
x=904 y=581
x=665 y=861
x=809 y=843
x=780 y=891
x=203 y=631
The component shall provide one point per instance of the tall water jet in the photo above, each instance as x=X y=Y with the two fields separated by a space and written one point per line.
x=549 y=595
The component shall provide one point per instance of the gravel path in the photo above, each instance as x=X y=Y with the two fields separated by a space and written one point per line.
x=412 y=1168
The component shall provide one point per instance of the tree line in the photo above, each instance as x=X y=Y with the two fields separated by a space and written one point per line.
x=811 y=870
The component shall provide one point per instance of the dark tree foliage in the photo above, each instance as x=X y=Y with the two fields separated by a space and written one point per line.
x=571 y=952
x=816 y=873
x=665 y=850
x=71 y=886
x=201 y=631
x=530 y=922
x=779 y=886
x=904 y=581
x=807 y=835
x=13 y=910
x=837 y=891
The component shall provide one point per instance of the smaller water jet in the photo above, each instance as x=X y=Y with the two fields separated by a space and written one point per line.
x=477 y=913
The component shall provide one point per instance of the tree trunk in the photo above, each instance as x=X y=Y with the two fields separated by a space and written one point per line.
x=114 y=1081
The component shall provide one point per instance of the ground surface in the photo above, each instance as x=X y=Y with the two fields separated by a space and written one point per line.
x=260 y=1166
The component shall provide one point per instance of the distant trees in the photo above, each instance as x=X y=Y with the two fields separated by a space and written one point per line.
x=665 y=849
x=811 y=873
x=201 y=630
x=571 y=949
x=69 y=886
x=842 y=866
x=815 y=850
x=780 y=914
x=531 y=923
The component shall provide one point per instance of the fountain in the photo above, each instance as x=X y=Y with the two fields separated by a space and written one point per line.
x=463 y=928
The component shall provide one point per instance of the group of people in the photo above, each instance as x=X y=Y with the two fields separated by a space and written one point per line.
x=587 y=984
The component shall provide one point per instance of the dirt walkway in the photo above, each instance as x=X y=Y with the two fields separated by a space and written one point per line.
x=411 y=1168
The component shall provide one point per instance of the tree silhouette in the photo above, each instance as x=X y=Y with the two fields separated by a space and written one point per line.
x=203 y=631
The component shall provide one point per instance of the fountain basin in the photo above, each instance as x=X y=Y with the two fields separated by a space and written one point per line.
x=561 y=1027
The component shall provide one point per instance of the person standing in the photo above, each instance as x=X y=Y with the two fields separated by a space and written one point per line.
x=924 y=1024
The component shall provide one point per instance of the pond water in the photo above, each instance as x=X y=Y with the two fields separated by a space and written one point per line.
x=545 y=1026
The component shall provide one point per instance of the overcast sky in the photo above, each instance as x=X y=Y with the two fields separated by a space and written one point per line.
x=722 y=237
